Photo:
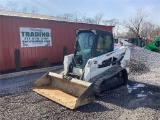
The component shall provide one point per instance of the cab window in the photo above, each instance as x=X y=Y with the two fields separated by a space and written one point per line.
x=104 y=44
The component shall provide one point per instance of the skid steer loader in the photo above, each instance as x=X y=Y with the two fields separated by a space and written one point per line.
x=96 y=66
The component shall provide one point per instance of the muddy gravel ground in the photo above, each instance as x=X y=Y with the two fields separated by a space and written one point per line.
x=140 y=100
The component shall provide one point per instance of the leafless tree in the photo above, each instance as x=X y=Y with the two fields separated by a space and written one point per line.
x=134 y=24
x=52 y=15
x=12 y=6
x=157 y=31
x=111 y=22
x=89 y=20
x=130 y=34
x=34 y=10
x=98 y=18
x=67 y=16
x=74 y=17
x=25 y=9
x=85 y=19
x=148 y=29
x=77 y=17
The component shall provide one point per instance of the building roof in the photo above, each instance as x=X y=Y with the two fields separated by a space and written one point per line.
x=28 y=15
x=37 y=16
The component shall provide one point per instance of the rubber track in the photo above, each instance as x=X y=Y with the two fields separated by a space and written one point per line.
x=98 y=80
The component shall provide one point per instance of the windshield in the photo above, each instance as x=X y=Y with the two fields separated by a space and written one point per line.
x=83 y=48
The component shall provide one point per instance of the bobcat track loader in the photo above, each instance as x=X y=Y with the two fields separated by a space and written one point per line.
x=96 y=66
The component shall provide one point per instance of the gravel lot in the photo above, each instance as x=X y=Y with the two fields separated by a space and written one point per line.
x=140 y=100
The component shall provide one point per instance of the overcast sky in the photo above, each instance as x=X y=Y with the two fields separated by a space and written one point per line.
x=119 y=9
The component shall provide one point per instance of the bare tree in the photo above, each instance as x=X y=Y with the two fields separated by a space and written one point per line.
x=12 y=6
x=25 y=9
x=111 y=22
x=89 y=20
x=52 y=15
x=130 y=34
x=148 y=29
x=157 y=31
x=77 y=17
x=67 y=16
x=134 y=23
x=98 y=18
x=85 y=19
x=34 y=10
x=74 y=17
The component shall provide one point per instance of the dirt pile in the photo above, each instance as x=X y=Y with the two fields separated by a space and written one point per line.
x=145 y=66
x=144 y=60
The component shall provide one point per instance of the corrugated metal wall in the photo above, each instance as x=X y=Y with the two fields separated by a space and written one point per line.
x=63 y=34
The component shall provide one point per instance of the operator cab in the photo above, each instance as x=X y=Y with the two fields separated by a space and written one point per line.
x=91 y=43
